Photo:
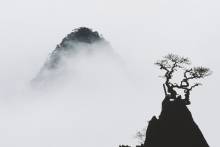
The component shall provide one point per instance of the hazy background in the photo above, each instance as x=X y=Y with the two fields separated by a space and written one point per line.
x=102 y=105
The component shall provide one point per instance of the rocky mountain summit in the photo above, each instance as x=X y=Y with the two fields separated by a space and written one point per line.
x=80 y=39
x=80 y=43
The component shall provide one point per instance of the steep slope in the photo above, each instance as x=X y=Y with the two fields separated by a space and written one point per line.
x=174 y=128
x=78 y=40
x=81 y=43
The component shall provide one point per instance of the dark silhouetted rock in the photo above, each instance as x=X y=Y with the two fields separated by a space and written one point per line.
x=174 y=128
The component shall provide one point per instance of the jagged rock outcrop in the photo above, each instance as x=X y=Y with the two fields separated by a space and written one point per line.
x=175 y=127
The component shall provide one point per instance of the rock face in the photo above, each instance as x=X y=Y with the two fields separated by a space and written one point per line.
x=174 y=128
x=80 y=39
x=83 y=42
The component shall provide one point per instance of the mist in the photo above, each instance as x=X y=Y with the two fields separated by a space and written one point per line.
x=86 y=101
x=99 y=100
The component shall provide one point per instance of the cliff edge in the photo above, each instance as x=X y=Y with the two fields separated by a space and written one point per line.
x=175 y=127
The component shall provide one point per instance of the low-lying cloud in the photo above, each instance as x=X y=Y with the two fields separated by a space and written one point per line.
x=92 y=98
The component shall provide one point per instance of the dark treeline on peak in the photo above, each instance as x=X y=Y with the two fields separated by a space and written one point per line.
x=70 y=44
x=80 y=40
x=82 y=34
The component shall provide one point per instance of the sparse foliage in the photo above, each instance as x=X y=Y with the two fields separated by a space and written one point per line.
x=172 y=63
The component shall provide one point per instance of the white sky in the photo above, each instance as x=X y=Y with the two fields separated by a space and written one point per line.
x=141 y=31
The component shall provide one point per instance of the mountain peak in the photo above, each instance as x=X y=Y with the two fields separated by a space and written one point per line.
x=81 y=41
x=70 y=45
x=82 y=34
